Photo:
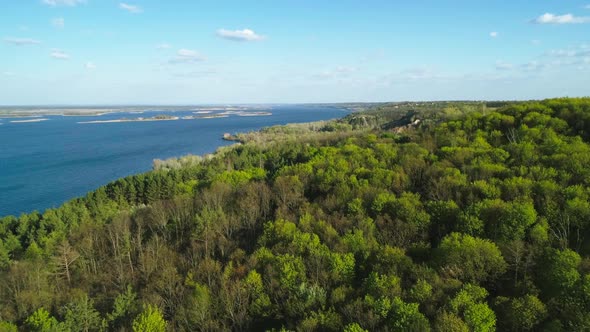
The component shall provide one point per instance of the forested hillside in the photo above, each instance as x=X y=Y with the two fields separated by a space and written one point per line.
x=450 y=217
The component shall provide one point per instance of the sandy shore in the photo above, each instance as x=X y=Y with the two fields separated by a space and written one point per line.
x=254 y=114
x=129 y=120
x=86 y=114
x=16 y=116
x=202 y=115
x=27 y=121
x=212 y=116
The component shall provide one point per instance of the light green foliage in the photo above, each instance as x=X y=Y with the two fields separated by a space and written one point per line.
x=470 y=223
x=407 y=317
x=392 y=260
x=123 y=306
x=236 y=178
x=260 y=300
x=539 y=233
x=586 y=287
x=506 y=221
x=8 y=327
x=197 y=310
x=355 y=207
x=187 y=187
x=468 y=295
x=444 y=216
x=469 y=305
x=559 y=271
x=33 y=252
x=421 y=291
x=80 y=315
x=469 y=258
x=409 y=209
x=4 y=256
x=520 y=314
x=354 y=327
x=42 y=321
x=449 y=322
x=150 y=320
x=311 y=296
x=480 y=318
x=323 y=320
x=343 y=267
x=381 y=306
x=383 y=201
x=356 y=243
x=383 y=285
x=291 y=271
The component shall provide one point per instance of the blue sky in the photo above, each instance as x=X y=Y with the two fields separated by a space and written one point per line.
x=287 y=51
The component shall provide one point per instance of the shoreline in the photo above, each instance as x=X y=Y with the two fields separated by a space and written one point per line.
x=29 y=121
x=207 y=115
x=129 y=120
x=22 y=112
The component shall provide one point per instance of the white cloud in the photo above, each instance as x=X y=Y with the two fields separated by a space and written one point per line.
x=130 y=8
x=549 y=18
x=21 y=41
x=58 y=22
x=563 y=53
x=338 y=72
x=187 y=56
x=239 y=35
x=572 y=56
x=163 y=46
x=60 y=55
x=345 y=69
x=90 y=65
x=501 y=65
x=419 y=73
x=572 y=52
x=533 y=66
x=493 y=34
x=63 y=2
x=195 y=74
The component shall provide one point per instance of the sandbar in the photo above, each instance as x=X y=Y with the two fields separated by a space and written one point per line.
x=27 y=121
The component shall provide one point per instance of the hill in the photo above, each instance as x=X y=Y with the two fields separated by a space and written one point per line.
x=450 y=216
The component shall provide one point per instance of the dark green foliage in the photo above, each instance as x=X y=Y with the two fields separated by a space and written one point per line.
x=409 y=217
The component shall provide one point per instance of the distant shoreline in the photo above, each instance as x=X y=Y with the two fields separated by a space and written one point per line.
x=175 y=118
x=7 y=111
x=131 y=120
x=39 y=112
x=28 y=121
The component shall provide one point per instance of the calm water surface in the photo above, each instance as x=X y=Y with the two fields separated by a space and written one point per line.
x=44 y=164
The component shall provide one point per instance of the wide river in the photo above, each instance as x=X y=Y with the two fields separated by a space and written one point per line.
x=45 y=163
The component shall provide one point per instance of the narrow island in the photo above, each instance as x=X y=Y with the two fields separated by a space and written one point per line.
x=140 y=119
x=209 y=116
x=29 y=121
x=165 y=117
x=254 y=114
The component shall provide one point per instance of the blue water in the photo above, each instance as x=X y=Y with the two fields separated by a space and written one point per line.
x=44 y=164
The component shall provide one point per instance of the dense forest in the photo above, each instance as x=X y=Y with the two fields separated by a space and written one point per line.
x=406 y=217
